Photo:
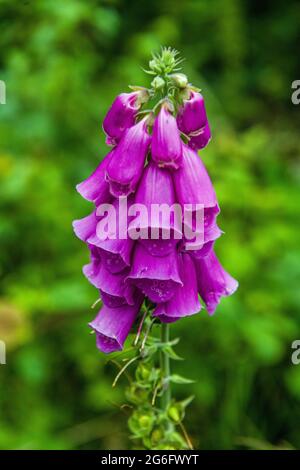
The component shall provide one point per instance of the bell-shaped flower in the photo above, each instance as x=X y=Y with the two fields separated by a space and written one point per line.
x=122 y=114
x=200 y=139
x=158 y=223
x=213 y=281
x=95 y=188
x=192 y=116
x=166 y=145
x=192 y=183
x=185 y=300
x=111 y=236
x=112 y=325
x=86 y=227
x=126 y=166
x=157 y=277
x=114 y=291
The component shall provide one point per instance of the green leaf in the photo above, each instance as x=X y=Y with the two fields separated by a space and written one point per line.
x=178 y=379
x=184 y=403
x=172 y=354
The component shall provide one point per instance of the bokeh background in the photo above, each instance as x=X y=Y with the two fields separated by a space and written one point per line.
x=63 y=63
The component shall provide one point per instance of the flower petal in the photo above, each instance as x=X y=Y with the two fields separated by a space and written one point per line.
x=126 y=166
x=157 y=277
x=115 y=254
x=86 y=227
x=192 y=115
x=185 y=300
x=201 y=139
x=112 y=325
x=192 y=183
x=120 y=116
x=160 y=228
x=95 y=187
x=213 y=281
x=166 y=147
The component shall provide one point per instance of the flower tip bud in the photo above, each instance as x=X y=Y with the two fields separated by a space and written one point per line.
x=179 y=79
x=158 y=83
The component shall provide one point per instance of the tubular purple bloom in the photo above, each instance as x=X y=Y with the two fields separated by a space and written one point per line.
x=213 y=281
x=211 y=232
x=192 y=114
x=166 y=147
x=126 y=166
x=192 y=183
x=95 y=188
x=200 y=139
x=159 y=242
x=113 y=290
x=116 y=249
x=122 y=113
x=91 y=270
x=162 y=225
x=115 y=254
x=196 y=247
x=157 y=277
x=86 y=227
x=185 y=300
x=112 y=325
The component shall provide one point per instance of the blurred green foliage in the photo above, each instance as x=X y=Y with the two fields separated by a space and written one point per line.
x=63 y=62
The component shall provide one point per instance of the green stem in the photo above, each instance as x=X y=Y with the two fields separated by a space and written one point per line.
x=165 y=368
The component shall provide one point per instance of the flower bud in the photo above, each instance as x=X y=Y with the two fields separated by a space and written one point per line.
x=174 y=413
x=136 y=395
x=158 y=83
x=157 y=435
x=192 y=115
x=143 y=372
x=179 y=79
x=166 y=143
x=145 y=421
x=122 y=113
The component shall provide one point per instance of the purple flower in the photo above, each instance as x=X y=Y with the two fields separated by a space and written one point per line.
x=158 y=223
x=213 y=281
x=113 y=290
x=192 y=114
x=192 y=183
x=112 y=325
x=209 y=234
x=159 y=242
x=115 y=253
x=157 y=277
x=166 y=146
x=192 y=120
x=200 y=139
x=126 y=166
x=185 y=300
x=204 y=251
x=95 y=188
x=86 y=227
x=199 y=249
x=116 y=250
x=122 y=113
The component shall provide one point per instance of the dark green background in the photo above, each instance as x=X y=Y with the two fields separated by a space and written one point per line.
x=63 y=63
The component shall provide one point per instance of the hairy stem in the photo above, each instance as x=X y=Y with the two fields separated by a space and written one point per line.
x=165 y=368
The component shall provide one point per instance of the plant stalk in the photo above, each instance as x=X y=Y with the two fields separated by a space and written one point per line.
x=165 y=368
